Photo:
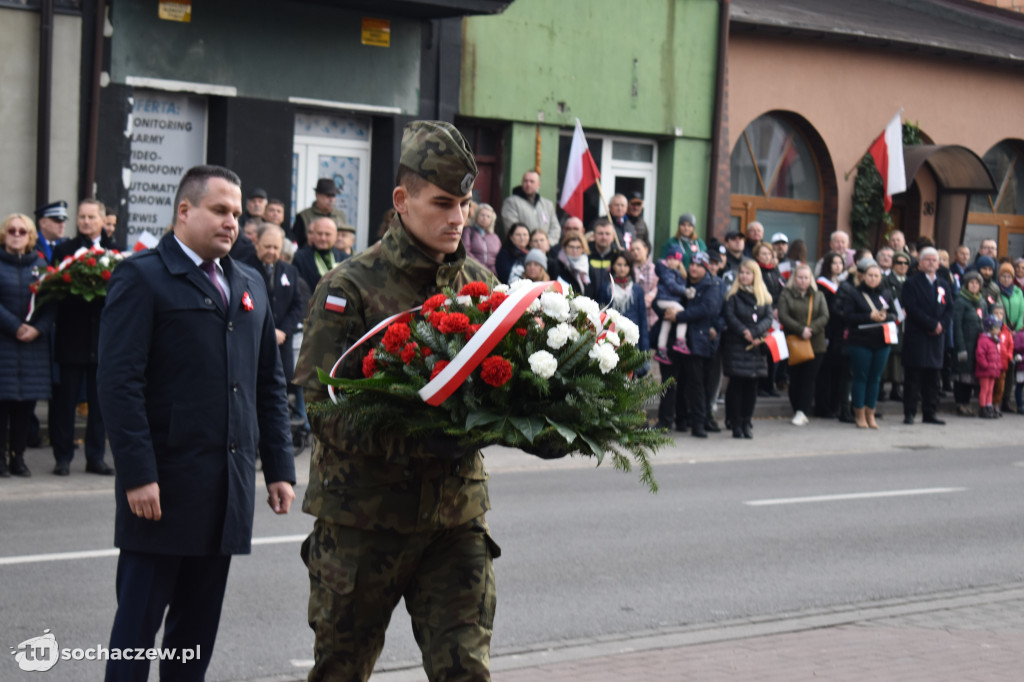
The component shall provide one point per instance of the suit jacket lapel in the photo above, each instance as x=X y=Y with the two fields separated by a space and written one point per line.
x=178 y=263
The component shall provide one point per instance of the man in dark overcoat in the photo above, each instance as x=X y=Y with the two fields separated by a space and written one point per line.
x=191 y=382
x=76 y=349
x=928 y=301
x=287 y=300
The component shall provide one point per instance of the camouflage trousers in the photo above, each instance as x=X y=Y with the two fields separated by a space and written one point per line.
x=356 y=578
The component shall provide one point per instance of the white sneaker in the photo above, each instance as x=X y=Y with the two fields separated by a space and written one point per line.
x=800 y=419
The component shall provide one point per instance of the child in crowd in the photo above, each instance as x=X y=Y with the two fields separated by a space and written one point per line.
x=1006 y=353
x=988 y=365
x=671 y=289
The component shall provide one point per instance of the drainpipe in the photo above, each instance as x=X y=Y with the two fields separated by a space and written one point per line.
x=92 y=144
x=716 y=125
x=44 y=102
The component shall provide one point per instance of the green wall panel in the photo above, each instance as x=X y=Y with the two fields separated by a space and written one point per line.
x=270 y=50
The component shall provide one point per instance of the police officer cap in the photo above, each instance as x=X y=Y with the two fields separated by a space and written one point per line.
x=437 y=152
x=58 y=210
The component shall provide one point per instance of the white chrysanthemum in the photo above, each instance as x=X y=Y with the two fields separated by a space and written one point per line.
x=543 y=364
x=104 y=262
x=555 y=305
x=534 y=307
x=584 y=304
x=612 y=316
x=464 y=300
x=519 y=284
x=605 y=355
x=574 y=335
x=630 y=332
x=500 y=289
x=612 y=338
x=558 y=335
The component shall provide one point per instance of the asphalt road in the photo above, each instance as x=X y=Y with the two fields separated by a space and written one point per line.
x=586 y=553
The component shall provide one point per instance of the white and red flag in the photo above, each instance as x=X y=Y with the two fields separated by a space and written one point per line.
x=891 y=333
x=580 y=174
x=887 y=152
x=776 y=342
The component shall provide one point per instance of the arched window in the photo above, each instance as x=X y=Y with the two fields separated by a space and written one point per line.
x=776 y=181
x=1000 y=216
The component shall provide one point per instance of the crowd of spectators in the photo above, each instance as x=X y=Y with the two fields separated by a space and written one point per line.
x=904 y=324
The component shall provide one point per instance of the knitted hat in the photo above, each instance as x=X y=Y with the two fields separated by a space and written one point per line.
x=1006 y=267
x=536 y=256
x=985 y=262
x=971 y=276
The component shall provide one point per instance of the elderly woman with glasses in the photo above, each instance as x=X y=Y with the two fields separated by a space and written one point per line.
x=24 y=348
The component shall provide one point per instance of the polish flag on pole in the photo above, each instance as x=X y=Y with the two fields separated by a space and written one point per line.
x=887 y=152
x=580 y=174
x=776 y=342
x=147 y=240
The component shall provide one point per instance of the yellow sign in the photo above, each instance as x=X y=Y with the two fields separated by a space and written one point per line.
x=175 y=10
x=377 y=32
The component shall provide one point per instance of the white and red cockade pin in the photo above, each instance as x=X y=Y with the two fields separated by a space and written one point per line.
x=246 y=301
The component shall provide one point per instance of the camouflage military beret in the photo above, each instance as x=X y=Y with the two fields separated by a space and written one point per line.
x=437 y=151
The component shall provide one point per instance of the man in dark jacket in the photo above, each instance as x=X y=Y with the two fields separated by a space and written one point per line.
x=76 y=343
x=319 y=256
x=701 y=316
x=287 y=302
x=191 y=380
x=928 y=301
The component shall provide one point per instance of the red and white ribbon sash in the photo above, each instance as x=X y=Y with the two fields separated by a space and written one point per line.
x=822 y=282
x=483 y=342
x=473 y=353
x=366 y=337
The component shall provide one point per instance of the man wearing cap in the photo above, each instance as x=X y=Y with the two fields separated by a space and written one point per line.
x=525 y=205
x=346 y=240
x=780 y=244
x=323 y=205
x=734 y=254
x=255 y=205
x=686 y=240
x=51 y=218
x=397 y=516
x=635 y=216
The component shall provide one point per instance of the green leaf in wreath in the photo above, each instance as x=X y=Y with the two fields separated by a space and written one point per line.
x=595 y=448
x=528 y=426
x=564 y=431
x=480 y=417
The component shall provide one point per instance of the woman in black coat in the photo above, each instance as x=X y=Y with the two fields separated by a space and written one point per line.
x=867 y=310
x=509 y=264
x=24 y=346
x=830 y=401
x=748 y=317
x=764 y=254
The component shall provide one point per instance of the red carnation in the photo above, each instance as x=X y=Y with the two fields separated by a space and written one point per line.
x=441 y=364
x=473 y=329
x=474 y=289
x=396 y=336
x=91 y=262
x=521 y=331
x=369 y=365
x=33 y=287
x=408 y=353
x=495 y=371
x=66 y=277
x=433 y=303
x=105 y=274
x=453 y=323
x=50 y=268
x=496 y=299
x=437 y=318
x=405 y=318
x=427 y=352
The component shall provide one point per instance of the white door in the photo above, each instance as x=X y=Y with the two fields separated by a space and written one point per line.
x=349 y=166
x=628 y=166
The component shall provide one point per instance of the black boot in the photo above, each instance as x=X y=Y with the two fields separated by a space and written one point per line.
x=18 y=467
x=748 y=430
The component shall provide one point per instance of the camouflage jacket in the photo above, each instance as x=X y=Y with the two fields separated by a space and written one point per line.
x=382 y=481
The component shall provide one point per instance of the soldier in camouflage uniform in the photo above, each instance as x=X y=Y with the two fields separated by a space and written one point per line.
x=397 y=517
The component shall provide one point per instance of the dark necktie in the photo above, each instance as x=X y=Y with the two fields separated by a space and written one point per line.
x=210 y=269
x=269 y=270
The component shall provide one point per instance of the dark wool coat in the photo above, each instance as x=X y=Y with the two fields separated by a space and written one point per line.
x=741 y=313
x=857 y=312
x=288 y=305
x=927 y=305
x=24 y=367
x=701 y=314
x=188 y=391
x=967 y=317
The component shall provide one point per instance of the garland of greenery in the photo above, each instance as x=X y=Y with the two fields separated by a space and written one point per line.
x=868 y=208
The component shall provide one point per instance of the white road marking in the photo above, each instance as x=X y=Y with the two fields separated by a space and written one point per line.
x=852 y=496
x=101 y=553
x=302 y=662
